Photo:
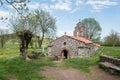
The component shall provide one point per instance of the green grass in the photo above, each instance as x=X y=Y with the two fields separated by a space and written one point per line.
x=23 y=70
x=8 y=53
x=11 y=52
x=112 y=51
x=83 y=64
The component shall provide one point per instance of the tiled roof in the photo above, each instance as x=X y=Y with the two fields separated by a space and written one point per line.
x=84 y=40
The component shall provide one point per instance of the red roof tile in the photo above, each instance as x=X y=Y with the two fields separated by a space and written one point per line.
x=84 y=40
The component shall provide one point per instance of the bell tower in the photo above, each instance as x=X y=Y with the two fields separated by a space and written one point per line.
x=80 y=30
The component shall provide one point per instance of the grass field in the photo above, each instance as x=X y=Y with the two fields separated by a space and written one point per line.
x=112 y=51
x=18 y=69
x=13 y=67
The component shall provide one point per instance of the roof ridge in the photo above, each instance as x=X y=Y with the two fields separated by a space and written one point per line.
x=82 y=39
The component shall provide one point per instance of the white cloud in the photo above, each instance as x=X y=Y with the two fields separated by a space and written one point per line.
x=79 y=2
x=33 y=5
x=4 y=13
x=4 y=16
x=3 y=28
x=98 y=5
x=62 y=5
x=74 y=10
x=45 y=6
x=57 y=5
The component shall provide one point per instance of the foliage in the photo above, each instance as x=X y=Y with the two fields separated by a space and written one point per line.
x=93 y=29
x=46 y=25
x=24 y=28
x=39 y=23
x=113 y=39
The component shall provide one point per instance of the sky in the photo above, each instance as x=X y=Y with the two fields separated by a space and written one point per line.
x=69 y=12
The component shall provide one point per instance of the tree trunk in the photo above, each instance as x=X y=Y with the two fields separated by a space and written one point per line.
x=25 y=38
x=2 y=41
x=40 y=41
x=23 y=49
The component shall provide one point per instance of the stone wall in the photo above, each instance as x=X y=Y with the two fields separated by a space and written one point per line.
x=104 y=58
x=74 y=47
x=58 y=45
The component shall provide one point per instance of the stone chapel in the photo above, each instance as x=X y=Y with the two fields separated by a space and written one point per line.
x=73 y=46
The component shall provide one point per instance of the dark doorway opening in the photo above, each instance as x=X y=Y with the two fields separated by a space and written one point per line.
x=65 y=53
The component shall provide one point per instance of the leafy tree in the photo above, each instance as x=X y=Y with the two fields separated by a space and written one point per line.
x=19 y=5
x=40 y=23
x=24 y=28
x=93 y=29
x=46 y=25
x=113 y=39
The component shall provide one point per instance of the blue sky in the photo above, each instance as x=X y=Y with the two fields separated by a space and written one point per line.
x=68 y=13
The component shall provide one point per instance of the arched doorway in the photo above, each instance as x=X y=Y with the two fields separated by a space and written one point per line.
x=65 y=54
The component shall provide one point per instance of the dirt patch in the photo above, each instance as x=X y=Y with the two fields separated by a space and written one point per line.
x=54 y=73
x=99 y=74
x=11 y=77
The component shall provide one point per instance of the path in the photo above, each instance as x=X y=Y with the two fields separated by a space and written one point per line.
x=54 y=73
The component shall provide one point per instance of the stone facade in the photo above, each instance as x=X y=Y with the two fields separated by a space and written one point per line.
x=73 y=46
x=80 y=30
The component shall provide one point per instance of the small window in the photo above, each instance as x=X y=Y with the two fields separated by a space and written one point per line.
x=64 y=43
